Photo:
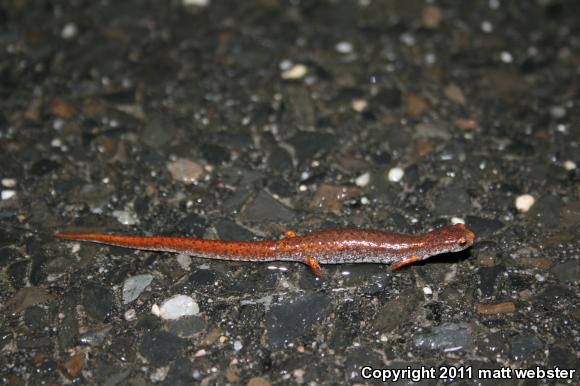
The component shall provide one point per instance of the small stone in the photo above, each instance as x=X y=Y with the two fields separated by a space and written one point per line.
x=258 y=381
x=395 y=174
x=238 y=345
x=415 y=105
x=8 y=194
x=184 y=261
x=344 y=47
x=184 y=170
x=160 y=347
x=330 y=197
x=62 y=108
x=196 y=3
x=359 y=105
x=133 y=286
x=535 y=262
x=130 y=314
x=126 y=216
x=178 y=306
x=431 y=17
x=558 y=112
x=69 y=31
x=465 y=123
x=73 y=366
x=447 y=337
x=297 y=71
x=427 y=291
x=524 y=202
x=454 y=93
x=524 y=345
x=363 y=180
x=8 y=182
x=496 y=308
x=569 y=165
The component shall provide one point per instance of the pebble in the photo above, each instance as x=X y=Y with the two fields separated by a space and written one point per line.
x=126 y=217
x=69 y=31
x=359 y=105
x=133 y=286
x=569 y=165
x=363 y=180
x=130 y=314
x=160 y=347
x=344 y=47
x=524 y=345
x=415 y=105
x=568 y=271
x=196 y=3
x=524 y=202
x=73 y=366
x=178 y=306
x=285 y=322
x=8 y=182
x=396 y=174
x=495 y=308
x=187 y=327
x=97 y=301
x=297 y=71
x=447 y=337
x=330 y=197
x=431 y=17
x=8 y=194
x=184 y=170
x=184 y=261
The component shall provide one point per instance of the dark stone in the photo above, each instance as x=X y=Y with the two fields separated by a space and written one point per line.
x=285 y=322
x=186 y=326
x=397 y=312
x=388 y=98
x=307 y=144
x=202 y=278
x=17 y=274
x=456 y=336
x=522 y=346
x=97 y=301
x=44 y=166
x=180 y=373
x=229 y=230
x=356 y=359
x=160 y=347
x=36 y=318
x=215 y=154
x=487 y=278
x=192 y=224
x=452 y=200
x=546 y=211
x=568 y=271
x=264 y=209
x=279 y=160
x=483 y=226
x=124 y=348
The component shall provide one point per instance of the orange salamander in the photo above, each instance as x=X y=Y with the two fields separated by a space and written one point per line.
x=331 y=246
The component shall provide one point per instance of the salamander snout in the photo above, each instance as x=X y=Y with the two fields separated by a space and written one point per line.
x=454 y=238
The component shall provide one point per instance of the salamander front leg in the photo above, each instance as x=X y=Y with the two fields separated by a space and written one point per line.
x=402 y=263
x=314 y=266
x=289 y=234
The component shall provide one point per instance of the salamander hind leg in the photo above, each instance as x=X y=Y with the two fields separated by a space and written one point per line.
x=402 y=263
x=314 y=266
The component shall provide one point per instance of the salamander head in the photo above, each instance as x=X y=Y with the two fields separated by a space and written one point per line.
x=452 y=238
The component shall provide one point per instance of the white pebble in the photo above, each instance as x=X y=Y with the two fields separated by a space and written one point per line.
x=134 y=286
x=69 y=31
x=8 y=194
x=155 y=310
x=8 y=182
x=196 y=3
x=506 y=57
x=184 y=261
x=344 y=47
x=569 y=165
x=359 y=105
x=178 y=306
x=524 y=202
x=126 y=217
x=363 y=179
x=130 y=314
x=427 y=291
x=396 y=174
x=238 y=345
x=297 y=71
x=457 y=220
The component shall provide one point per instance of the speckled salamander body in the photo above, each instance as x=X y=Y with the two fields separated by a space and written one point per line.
x=332 y=246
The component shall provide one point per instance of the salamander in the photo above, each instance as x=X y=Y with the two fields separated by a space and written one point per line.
x=330 y=246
